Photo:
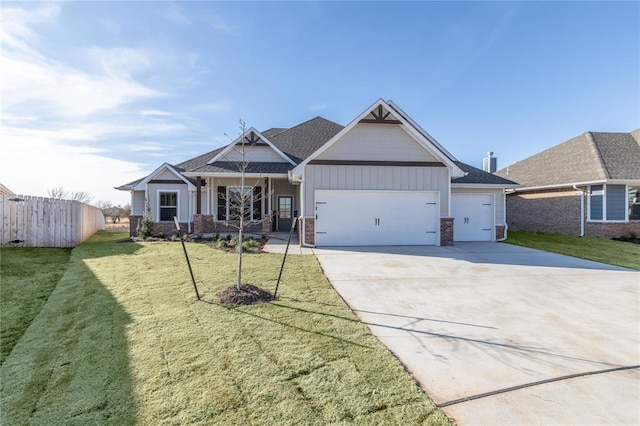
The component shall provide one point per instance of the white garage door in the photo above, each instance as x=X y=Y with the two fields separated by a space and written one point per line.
x=375 y=218
x=473 y=217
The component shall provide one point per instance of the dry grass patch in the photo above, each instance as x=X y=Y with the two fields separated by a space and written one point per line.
x=122 y=340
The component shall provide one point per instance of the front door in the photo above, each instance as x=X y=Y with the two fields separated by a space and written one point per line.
x=285 y=212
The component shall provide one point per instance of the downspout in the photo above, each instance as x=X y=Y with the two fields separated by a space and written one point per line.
x=504 y=216
x=582 y=192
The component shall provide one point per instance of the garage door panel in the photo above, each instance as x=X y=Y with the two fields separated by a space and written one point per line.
x=349 y=218
x=473 y=217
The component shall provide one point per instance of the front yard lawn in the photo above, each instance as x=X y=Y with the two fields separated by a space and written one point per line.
x=122 y=340
x=602 y=250
x=27 y=278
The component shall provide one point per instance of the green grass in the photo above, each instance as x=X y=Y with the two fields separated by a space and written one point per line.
x=602 y=250
x=27 y=278
x=122 y=340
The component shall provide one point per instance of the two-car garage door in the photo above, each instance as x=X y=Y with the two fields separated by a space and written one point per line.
x=371 y=218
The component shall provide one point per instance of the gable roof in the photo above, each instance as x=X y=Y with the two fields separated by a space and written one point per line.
x=590 y=157
x=397 y=117
x=477 y=176
x=249 y=136
x=139 y=184
x=300 y=141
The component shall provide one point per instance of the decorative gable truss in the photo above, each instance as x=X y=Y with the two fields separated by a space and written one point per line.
x=402 y=136
x=257 y=149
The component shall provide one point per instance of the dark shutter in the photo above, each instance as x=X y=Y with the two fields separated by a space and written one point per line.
x=222 y=203
x=257 y=203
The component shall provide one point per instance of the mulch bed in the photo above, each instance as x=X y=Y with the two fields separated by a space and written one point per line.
x=628 y=240
x=248 y=295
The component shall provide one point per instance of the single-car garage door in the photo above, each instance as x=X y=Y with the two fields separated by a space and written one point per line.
x=374 y=218
x=473 y=216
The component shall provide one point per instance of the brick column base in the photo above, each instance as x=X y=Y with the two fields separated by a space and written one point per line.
x=446 y=231
x=133 y=224
x=309 y=231
x=499 y=232
x=266 y=226
x=202 y=223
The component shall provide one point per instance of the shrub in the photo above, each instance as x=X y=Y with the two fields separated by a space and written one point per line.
x=145 y=224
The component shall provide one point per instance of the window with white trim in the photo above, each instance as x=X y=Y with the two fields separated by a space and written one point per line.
x=608 y=203
x=168 y=205
x=634 y=202
x=231 y=198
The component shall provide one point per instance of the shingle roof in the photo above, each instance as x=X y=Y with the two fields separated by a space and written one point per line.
x=298 y=143
x=592 y=156
x=302 y=140
x=254 y=167
x=478 y=176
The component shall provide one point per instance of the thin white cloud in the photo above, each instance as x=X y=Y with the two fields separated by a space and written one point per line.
x=155 y=113
x=173 y=13
x=213 y=106
x=60 y=165
x=320 y=106
x=218 y=23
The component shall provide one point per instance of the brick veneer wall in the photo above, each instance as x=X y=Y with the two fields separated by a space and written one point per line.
x=558 y=211
x=446 y=231
x=611 y=230
x=166 y=228
x=554 y=211
x=169 y=228
x=204 y=224
x=309 y=231
x=499 y=232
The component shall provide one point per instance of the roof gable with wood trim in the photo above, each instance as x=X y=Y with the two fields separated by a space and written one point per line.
x=382 y=120
x=257 y=148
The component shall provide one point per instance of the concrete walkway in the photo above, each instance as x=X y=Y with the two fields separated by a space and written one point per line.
x=477 y=318
x=277 y=243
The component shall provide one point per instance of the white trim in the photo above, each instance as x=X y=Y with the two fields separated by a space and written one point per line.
x=157 y=171
x=230 y=147
x=175 y=191
x=633 y=182
x=406 y=126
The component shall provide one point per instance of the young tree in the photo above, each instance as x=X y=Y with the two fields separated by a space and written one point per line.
x=62 y=194
x=240 y=199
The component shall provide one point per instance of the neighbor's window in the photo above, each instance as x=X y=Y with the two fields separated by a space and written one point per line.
x=608 y=202
x=168 y=205
x=634 y=203
x=596 y=195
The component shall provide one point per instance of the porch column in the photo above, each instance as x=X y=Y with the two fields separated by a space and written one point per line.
x=269 y=185
x=198 y=195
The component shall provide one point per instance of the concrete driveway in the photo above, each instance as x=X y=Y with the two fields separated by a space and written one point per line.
x=476 y=319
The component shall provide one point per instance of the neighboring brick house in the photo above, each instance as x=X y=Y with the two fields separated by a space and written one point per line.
x=588 y=185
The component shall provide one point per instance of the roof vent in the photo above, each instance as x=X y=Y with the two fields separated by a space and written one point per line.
x=490 y=163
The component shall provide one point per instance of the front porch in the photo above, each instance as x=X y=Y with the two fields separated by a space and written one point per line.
x=271 y=204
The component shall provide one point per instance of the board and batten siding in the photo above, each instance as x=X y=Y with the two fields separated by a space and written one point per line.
x=153 y=189
x=254 y=154
x=29 y=221
x=376 y=178
x=137 y=203
x=498 y=195
x=377 y=142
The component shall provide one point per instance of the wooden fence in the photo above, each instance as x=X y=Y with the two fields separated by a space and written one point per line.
x=45 y=222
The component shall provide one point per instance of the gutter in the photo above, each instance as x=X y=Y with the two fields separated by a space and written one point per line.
x=582 y=192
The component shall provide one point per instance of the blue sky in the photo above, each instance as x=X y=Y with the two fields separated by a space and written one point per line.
x=96 y=94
